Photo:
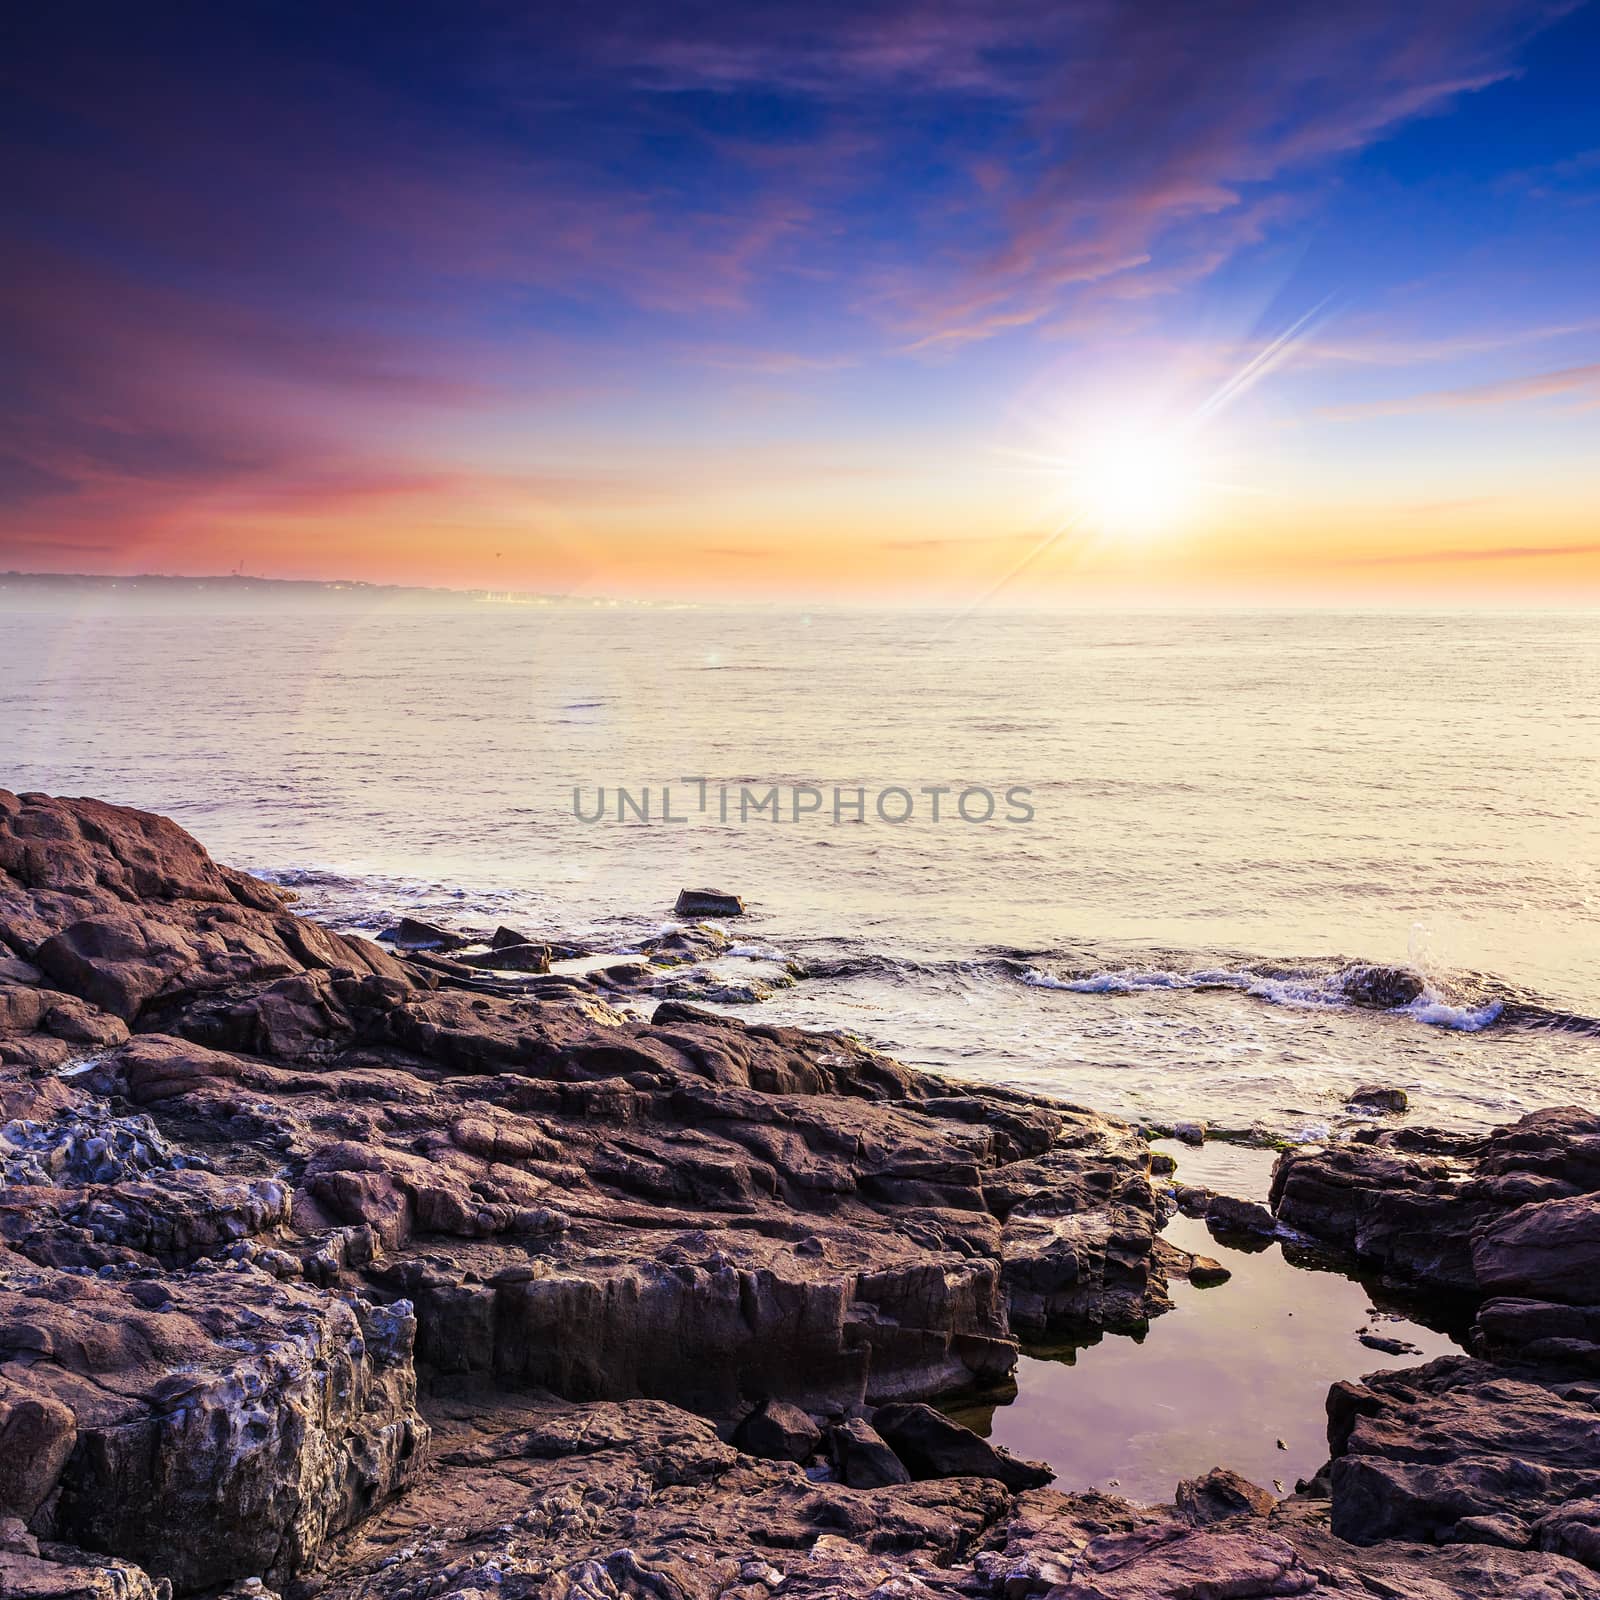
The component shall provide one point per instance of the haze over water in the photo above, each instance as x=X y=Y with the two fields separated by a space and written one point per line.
x=1230 y=811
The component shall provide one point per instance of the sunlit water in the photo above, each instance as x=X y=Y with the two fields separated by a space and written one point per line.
x=1230 y=813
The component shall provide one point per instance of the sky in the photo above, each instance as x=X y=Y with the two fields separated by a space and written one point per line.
x=1042 y=301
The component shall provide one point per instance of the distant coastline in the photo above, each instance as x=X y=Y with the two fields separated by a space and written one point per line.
x=159 y=589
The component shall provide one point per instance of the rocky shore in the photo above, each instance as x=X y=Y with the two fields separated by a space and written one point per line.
x=326 y=1270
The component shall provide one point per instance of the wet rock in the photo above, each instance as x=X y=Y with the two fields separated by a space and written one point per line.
x=510 y=958
x=1224 y=1215
x=1190 y=1133
x=779 y=1432
x=707 y=903
x=1381 y=988
x=1377 y=1097
x=1512 y=1213
x=1204 y=1273
x=1389 y=1346
x=1220 y=1494
x=862 y=1459
x=411 y=933
x=685 y=946
x=930 y=1445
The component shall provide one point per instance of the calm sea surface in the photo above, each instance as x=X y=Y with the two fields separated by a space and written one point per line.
x=1229 y=813
x=1235 y=817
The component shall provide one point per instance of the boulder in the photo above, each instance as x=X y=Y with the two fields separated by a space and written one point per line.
x=411 y=933
x=1512 y=1214
x=932 y=1446
x=1224 y=1215
x=510 y=958
x=1381 y=988
x=1221 y=1494
x=1204 y=1273
x=1549 y=1249
x=707 y=903
x=861 y=1459
x=777 y=1431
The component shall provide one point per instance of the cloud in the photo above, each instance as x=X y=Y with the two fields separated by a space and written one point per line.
x=1142 y=173
x=1514 y=552
x=1380 y=349
x=1583 y=380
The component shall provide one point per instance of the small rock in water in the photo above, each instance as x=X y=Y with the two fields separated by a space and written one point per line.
x=1390 y=1347
x=707 y=903
x=411 y=934
x=512 y=958
x=1225 y=1214
x=1204 y=1273
x=1381 y=988
x=1378 y=1097
x=1161 y=1163
x=1190 y=1132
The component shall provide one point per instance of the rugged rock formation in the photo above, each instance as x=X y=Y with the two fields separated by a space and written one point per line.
x=1509 y=1222
x=326 y=1272
x=1462 y=1451
x=231 y=1237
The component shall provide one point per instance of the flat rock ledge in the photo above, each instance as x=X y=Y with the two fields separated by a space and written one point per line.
x=326 y=1271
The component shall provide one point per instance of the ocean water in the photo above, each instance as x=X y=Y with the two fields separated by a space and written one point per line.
x=1230 y=814
x=1234 y=820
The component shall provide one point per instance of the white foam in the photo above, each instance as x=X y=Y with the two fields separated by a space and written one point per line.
x=1462 y=1019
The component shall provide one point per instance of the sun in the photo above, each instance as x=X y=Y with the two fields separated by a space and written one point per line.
x=1134 y=484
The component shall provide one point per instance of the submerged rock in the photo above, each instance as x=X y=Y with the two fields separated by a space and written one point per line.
x=1377 y=1097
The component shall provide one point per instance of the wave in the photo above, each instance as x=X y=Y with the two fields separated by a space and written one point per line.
x=1393 y=991
x=1464 y=1003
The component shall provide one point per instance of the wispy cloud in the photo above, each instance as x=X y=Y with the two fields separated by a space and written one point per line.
x=1470 y=554
x=1378 y=348
x=1584 y=381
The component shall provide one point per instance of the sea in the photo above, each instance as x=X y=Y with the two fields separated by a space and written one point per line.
x=1214 y=866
